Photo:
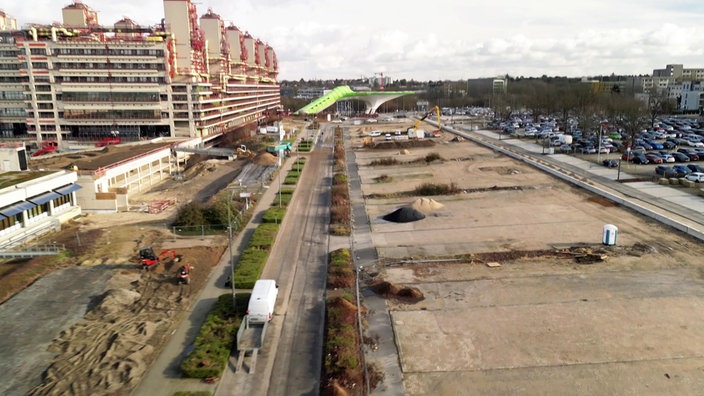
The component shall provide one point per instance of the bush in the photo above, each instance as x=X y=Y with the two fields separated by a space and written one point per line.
x=341 y=269
x=432 y=157
x=305 y=146
x=191 y=214
x=339 y=178
x=250 y=266
x=384 y=162
x=275 y=214
x=428 y=189
x=383 y=178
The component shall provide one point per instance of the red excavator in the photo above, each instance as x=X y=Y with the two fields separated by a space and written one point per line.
x=149 y=259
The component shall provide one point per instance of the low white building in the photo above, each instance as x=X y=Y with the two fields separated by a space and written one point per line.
x=33 y=203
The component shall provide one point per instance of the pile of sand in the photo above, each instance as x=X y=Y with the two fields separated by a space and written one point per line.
x=404 y=152
x=265 y=159
x=115 y=301
x=426 y=205
x=404 y=214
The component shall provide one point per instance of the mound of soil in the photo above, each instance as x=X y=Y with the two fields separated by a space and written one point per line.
x=400 y=144
x=265 y=159
x=404 y=214
x=426 y=205
x=389 y=290
x=404 y=152
x=114 y=301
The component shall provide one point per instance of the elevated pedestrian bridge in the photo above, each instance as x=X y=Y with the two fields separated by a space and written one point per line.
x=372 y=99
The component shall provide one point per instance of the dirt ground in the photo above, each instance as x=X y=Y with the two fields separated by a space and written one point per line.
x=517 y=314
x=117 y=325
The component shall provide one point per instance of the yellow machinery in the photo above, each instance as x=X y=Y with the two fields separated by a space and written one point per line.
x=242 y=151
x=435 y=110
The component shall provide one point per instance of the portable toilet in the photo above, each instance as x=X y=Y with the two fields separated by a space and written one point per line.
x=610 y=235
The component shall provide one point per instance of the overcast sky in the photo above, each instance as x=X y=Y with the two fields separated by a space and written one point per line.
x=441 y=39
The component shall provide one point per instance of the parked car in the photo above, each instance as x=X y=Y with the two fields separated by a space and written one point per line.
x=610 y=163
x=695 y=177
x=681 y=170
x=662 y=169
x=654 y=158
x=668 y=144
x=655 y=145
x=667 y=157
x=640 y=159
x=693 y=156
x=680 y=157
x=696 y=168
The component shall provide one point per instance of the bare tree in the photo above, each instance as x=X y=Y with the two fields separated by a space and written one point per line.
x=629 y=113
x=659 y=104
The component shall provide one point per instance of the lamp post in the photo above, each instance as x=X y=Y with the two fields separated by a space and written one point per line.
x=232 y=261
x=281 y=167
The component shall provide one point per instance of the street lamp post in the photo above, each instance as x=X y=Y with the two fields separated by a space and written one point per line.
x=281 y=153
x=232 y=260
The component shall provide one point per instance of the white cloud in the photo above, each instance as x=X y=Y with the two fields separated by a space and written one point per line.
x=443 y=39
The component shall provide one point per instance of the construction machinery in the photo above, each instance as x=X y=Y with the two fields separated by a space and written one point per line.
x=414 y=128
x=149 y=259
x=242 y=151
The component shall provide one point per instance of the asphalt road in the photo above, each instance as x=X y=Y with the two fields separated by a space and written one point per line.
x=290 y=362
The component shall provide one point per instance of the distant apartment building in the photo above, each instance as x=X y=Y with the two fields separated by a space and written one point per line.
x=310 y=92
x=183 y=77
x=662 y=79
x=499 y=86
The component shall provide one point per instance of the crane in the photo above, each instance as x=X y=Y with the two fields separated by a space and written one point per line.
x=435 y=110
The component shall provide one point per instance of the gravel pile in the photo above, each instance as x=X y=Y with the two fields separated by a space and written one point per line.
x=404 y=214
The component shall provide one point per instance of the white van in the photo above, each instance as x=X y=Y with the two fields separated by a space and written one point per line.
x=262 y=302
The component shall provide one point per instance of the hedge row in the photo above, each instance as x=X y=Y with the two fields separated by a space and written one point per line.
x=341 y=366
x=305 y=146
x=215 y=339
x=340 y=218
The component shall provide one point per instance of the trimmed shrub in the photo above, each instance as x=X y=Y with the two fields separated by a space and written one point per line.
x=305 y=146
x=341 y=269
x=384 y=162
x=275 y=214
x=264 y=236
x=339 y=178
x=250 y=266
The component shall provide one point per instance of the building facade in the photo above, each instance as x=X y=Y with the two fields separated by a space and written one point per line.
x=180 y=78
x=663 y=79
x=33 y=203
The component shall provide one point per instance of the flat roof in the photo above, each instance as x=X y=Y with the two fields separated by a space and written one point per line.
x=9 y=179
x=96 y=159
